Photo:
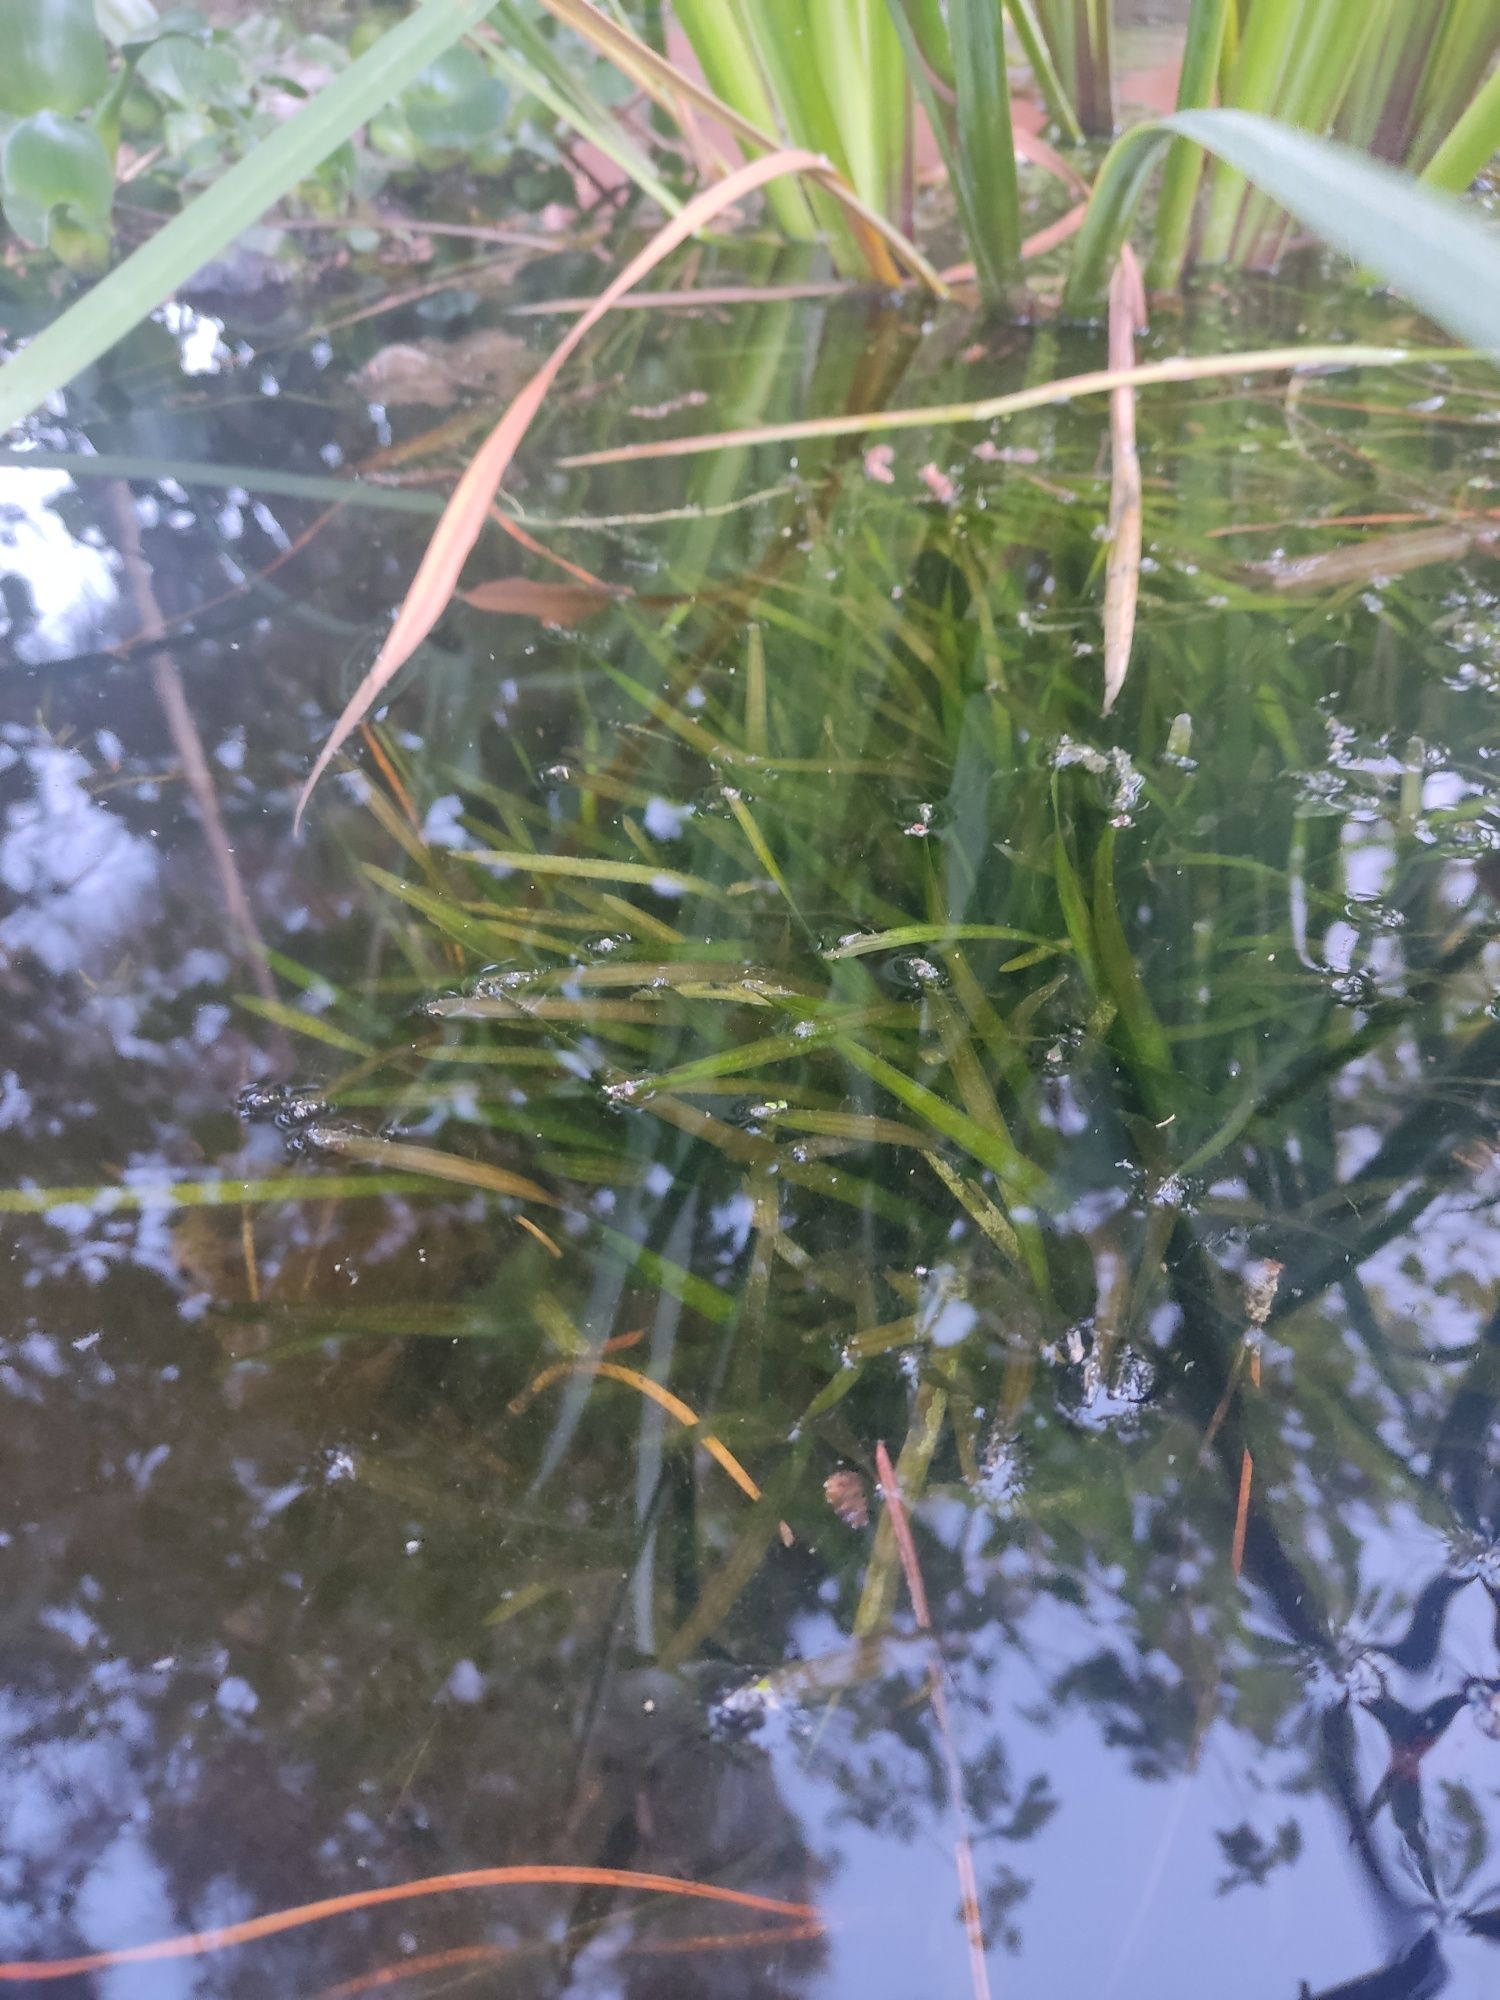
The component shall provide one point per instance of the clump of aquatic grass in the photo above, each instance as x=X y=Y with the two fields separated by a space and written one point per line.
x=890 y=1029
x=1079 y=38
x=1393 y=79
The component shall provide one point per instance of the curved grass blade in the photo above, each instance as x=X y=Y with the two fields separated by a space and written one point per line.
x=674 y=1406
x=92 y=325
x=198 y=1944
x=991 y=1148
x=397 y=1154
x=909 y=934
x=1429 y=246
x=469 y=506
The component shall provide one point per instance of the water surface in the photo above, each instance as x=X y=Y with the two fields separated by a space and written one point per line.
x=1100 y=1113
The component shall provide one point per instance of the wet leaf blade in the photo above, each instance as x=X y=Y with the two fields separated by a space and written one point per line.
x=1122 y=570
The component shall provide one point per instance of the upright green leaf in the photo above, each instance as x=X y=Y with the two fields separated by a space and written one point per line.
x=1472 y=143
x=1207 y=24
x=971 y=122
x=1431 y=247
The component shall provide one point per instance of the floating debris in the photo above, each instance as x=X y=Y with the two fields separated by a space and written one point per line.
x=845 y=1493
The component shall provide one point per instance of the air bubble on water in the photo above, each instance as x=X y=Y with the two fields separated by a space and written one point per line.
x=1134 y=1378
x=605 y=946
x=1069 y=752
x=557 y=774
x=1002 y=1472
x=1354 y=989
x=911 y=969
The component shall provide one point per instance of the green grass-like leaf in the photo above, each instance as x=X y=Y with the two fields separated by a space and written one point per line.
x=1426 y=244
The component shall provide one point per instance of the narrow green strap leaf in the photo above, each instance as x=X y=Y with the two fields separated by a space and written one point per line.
x=92 y=325
x=1431 y=247
x=1179 y=188
x=1472 y=143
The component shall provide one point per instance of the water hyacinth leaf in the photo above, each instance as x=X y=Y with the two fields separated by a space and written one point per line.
x=455 y=103
x=55 y=58
x=1430 y=247
x=58 y=187
x=91 y=326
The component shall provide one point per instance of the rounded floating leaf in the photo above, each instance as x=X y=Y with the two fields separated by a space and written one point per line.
x=58 y=185
x=55 y=58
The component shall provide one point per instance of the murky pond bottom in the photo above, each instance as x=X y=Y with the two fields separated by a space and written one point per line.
x=772 y=1021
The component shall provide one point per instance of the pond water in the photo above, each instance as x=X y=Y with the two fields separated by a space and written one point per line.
x=784 y=994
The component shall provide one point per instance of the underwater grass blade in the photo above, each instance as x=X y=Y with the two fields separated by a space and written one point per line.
x=552 y=603
x=402 y=1157
x=655 y=1392
x=468 y=508
x=992 y=1148
x=275 y=165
